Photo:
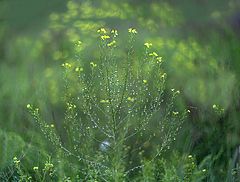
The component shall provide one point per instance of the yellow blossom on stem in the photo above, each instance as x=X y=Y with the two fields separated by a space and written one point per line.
x=154 y=54
x=93 y=64
x=159 y=59
x=132 y=30
x=16 y=161
x=104 y=37
x=104 y=101
x=148 y=45
x=175 y=113
x=67 y=65
x=35 y=168
x=79 y=43
x=78 y=69
x=130 y=99
x=112 y=44
x=102 y=30
x=114 y=32
x=164 y=75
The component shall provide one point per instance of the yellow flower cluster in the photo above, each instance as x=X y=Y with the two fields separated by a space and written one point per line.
x=177 y=92
x=51 y=125
x=159 y=59
x=16 y=161
x=93 y=64
x=66 y=65
x=102 y=31
x=175 y=113
x=114 y=32
x=104 y=37
x=112 y=44
x=164 y=75
x=132 y=31
x=35 y=168
x=104 y=101
x=130 y=99
x=79 y=43
x=148 y=45
x=78 y=69
x=154 y=54
x=48 y=166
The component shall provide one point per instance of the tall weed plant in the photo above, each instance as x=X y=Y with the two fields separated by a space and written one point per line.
x=111 y=104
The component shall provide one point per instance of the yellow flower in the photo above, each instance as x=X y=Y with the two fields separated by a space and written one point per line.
x=145 y=81
x=78 y=69
x=48 y=166
x=148 y=45
x=35 y=168
x=112 y=44
x=132 y=30
x=154 y=54
x=130 y=99
x=93 y=64
x=175 y=113
x=114 y=32
x=102 y=30
x=104 y=37
x=16 y=161
x=159 y=59
x=79 y=43
x=67 y=65
x=164 y=75
x=52 y=125
x=104 y=101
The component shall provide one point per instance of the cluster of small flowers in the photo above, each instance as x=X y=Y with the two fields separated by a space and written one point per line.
x=153 y=54
x=16 y=161
x=67 y=65
x=132 y=31
x=48 y=168
x=104 y=36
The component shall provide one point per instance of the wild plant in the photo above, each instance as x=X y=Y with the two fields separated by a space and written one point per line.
x=116 y=109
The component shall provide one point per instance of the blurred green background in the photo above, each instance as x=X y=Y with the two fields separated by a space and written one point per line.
x=198 y=40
